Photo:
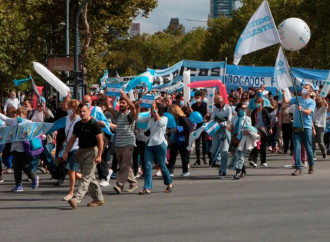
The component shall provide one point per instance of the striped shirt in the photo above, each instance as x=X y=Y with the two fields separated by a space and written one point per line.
x=125 y=131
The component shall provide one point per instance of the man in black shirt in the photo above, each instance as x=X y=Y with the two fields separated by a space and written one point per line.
x=200 y=107
x=89 y=154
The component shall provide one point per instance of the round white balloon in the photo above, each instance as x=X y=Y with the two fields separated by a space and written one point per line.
x=294 y=34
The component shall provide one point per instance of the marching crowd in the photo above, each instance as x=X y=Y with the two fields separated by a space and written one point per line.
x=102 y=140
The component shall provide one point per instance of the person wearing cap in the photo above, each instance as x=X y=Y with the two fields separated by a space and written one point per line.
x=252 y=104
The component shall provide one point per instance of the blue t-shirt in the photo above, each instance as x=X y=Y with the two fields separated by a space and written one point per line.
x=305 y=104
x=252 y=104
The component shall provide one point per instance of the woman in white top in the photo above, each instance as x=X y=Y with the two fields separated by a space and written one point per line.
x=156 y=148
x=319 y=122
x=71 y=165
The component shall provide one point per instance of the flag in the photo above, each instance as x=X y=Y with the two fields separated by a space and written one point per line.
x=117 y=75
x=146 y=78
x=212 y=127
x=282 y=77
x=259 y=33
x=35 y=89
x=326 y=87
x=21 y=81
x=103 y=79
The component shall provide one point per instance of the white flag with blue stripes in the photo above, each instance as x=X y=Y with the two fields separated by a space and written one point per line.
x=212 y=127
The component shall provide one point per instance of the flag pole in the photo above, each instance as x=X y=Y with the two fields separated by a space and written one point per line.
x=295 y=90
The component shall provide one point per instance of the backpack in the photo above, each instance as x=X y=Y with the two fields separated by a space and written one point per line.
x=33 y=147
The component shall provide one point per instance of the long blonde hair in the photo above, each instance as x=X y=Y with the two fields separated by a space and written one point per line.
x=176 y=111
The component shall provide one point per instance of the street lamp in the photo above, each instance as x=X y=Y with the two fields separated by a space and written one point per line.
x=77 y=48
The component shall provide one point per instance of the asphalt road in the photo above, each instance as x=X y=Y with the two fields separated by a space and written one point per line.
x=267 y=205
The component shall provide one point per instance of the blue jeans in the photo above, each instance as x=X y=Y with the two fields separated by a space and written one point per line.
x=158 y=153
x=222 y=137
x=47 y=157
x=306 y=138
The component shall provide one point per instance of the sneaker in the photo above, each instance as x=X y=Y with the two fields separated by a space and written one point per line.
x=10 y=171
x=311 y=170
x=159 y=173
x=1 y=179
x=297 y=172
x=104 y=183
x=264 y=165
x=67 y=197
x=171 y=175
x=222 y=175
x=18 y=188
x=95 y=203
x=324 y=156
x=253 y=164
x=110 y=171
x=186 y=174
x=315 y=158
x=117 y=189
x=137 y=175
x=27 y=180
x=59 y=182
x=113 y=175
x=42 y=169
x=304 y=164
x=132 y=188
x=35 y=183
x=73 y=203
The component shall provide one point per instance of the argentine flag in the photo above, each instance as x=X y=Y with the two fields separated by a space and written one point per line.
x=146 y=78
x=212 y=127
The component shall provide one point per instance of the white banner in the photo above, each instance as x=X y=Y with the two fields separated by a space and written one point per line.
x=259 y=33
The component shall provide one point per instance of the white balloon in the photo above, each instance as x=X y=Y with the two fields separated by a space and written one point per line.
x=51 y=79
x=294 y=34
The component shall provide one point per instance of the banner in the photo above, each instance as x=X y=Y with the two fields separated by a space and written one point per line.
x=282 y=75
x=259 y=33
x=210 y=99
x=199 y=70
x=147 y=101
x=326 y=87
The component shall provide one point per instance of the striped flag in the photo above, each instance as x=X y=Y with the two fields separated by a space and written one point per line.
x=212 y=127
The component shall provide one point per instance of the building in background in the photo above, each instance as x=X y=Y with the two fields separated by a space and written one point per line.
x=135 y=29
x=222 y=8
x=175 y=27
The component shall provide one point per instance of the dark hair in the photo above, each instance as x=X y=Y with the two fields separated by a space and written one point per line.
x=186 y=111
x=83 y=104
x=238 y=106
x=161 y=109
x=178 y=97
x=198 y=94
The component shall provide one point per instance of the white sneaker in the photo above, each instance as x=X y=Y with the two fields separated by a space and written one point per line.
x=159 y=173
x=253 y=164
x=138 y=175
x=315 y=158
x=104 y=183
x=109 y=174
x=171 y=175
x=304 y=164
x=186 y=174
x=264 y=164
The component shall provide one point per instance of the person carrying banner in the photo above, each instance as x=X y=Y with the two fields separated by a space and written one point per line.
x=88 y=155
x=21 y=161
x=303 y=128
x=222 y=113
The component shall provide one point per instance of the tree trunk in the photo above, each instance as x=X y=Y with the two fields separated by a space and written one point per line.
x=87 y=31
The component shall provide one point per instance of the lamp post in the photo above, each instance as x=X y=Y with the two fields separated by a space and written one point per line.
x=77 y=48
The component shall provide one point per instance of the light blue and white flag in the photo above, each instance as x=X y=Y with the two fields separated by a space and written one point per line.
x=147 y=101
x=212 y=127
x=103 y=80
x=326 y=87
x=282 y=75
x=146 y=78
x=259 y=33
x=113 y=90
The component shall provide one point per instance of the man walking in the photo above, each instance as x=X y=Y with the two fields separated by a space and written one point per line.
x=88 y=155
x=303 y=134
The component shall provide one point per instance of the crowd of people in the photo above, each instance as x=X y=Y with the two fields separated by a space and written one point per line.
x=104 y=138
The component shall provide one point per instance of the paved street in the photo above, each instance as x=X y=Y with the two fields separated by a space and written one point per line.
x=267 y=205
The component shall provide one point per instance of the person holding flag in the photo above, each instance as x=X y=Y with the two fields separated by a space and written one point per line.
x=303 y=127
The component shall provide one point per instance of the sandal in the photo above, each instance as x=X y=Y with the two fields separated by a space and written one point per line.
x=144 y=192
x=169 y=189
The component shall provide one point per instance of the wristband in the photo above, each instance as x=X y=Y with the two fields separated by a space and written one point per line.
x=155 y=111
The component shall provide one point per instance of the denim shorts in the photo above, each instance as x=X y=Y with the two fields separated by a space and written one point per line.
x=70 y=163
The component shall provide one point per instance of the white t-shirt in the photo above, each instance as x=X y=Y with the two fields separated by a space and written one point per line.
x=157 y=131
x=11 y=103
x=320 y=117
x=69 y=129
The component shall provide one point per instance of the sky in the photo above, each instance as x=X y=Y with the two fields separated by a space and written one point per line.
x=160 y=17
